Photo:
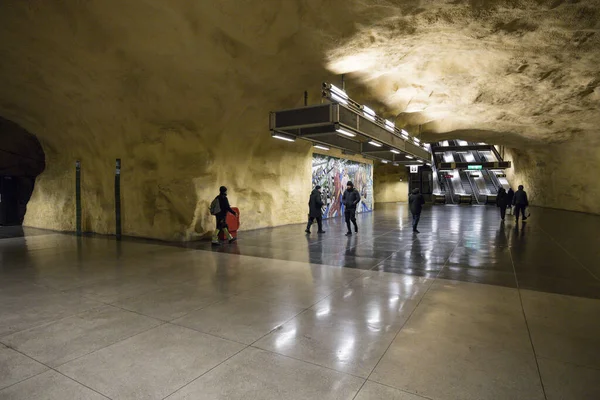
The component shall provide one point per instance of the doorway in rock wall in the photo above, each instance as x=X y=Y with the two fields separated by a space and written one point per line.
x=22 y=159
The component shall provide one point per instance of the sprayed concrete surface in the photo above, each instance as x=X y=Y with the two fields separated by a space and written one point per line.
x=181 y=90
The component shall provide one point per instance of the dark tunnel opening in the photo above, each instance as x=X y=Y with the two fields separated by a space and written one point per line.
x=22 y=159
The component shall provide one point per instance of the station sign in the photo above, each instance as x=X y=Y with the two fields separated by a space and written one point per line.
x=414 y=169
x=475 y=167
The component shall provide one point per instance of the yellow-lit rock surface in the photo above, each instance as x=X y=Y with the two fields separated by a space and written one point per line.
x=390 y=183
x=180 y=90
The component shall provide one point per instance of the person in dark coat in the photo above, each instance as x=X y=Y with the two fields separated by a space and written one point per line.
x=416 y=201
x=350 y=200
x=502 y=202
x=520 y=202
x=315 y=209
x=509 y=198
x=221 y=217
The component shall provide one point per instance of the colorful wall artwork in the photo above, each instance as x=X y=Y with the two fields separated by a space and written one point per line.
x=332 y=174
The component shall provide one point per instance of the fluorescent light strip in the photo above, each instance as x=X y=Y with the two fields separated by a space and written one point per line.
x=404 y=134
x=390 y=126
x=339 y=92
x=367 y=116
x=416 y=140
x=368 y=111
x=345 y=132
x=384 y=161
x=287 y=139
x=409 y=157
x=319 y=146
x=395 y=151
x=337 y=98
x=374 y=143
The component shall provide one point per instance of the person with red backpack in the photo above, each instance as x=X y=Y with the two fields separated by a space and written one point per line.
x=219 y=208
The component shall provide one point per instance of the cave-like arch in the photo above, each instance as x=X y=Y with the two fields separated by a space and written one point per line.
x=22 y=159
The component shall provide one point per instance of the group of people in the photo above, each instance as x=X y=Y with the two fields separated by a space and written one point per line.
x=350 y=199
x=511 y=198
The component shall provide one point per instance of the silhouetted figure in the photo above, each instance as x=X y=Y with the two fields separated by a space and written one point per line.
x=509 y=198
x=520 y=202
x=502 y=202
x=350 y=199
x=219 y=208
x=315 y=209
x=416 y=201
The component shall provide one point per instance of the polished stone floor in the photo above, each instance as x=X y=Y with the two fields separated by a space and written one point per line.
x=468 y=309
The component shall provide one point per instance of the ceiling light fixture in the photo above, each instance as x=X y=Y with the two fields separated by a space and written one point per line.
x=339 y=92
x=390 y=126
x=384 y=161
x=409 y=157
x=321 y=147
x=284 y=137
x=345 y=132
x=395 y=151
x=404 y=134
x=369 y=113
x=374 y=143
x=339 y=99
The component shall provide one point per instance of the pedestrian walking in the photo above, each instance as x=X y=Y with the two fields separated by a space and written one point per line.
x=315 y=209
x=520 y=202
x=219 y=208
x=502 y=202
x=509 y=199
x=350 y=200
x=415 y=202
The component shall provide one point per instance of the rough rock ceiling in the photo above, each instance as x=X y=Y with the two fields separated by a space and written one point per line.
x=513 y=72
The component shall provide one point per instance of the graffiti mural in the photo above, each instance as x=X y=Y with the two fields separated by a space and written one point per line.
x=332 y=174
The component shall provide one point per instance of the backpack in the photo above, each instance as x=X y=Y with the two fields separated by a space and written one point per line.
x=215 y=206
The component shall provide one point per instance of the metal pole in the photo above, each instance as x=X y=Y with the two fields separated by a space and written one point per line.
x=118 y=199
x=343 y=83
x=78 y=197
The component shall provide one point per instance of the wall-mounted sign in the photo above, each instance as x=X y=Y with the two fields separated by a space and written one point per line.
x=474 y=167
x=414 y=169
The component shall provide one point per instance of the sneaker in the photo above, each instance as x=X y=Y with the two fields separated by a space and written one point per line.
x=524 y=218
x=232 y=240
x=416 y=231
x=307 y=231
x=356 y=230
x=349 y=234
x=320 y=232
x=216 y=243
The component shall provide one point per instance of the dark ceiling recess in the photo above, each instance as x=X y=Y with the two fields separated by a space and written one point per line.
x=22 y=159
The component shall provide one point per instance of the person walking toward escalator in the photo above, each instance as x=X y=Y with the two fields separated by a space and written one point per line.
x=350 y=200
x=509 y=199
x=502 y=202
x=219 y=208
x=416 y=201
x=315 y=209
x=520 y=202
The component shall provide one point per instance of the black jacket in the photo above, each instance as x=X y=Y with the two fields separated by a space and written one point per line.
x=350 y=199
x=520 y=198
x=225 y=207
x=509 y=196
x=416 y=201
x=502 y=198
x=315 y=205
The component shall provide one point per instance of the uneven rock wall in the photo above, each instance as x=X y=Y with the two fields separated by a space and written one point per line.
x=180 y=90
x=390 y=183
x=559 y=176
